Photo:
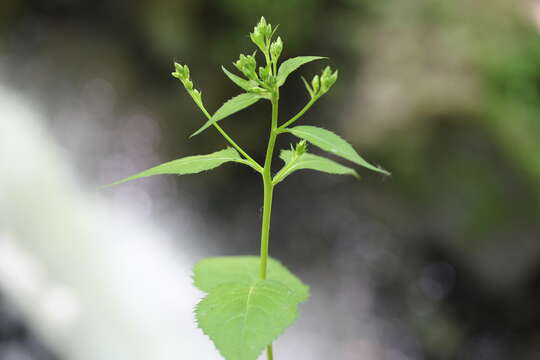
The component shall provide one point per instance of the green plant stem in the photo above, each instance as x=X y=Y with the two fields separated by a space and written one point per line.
x=268 y=189
x=265 y=228
x=254 y=164
x=300 y=113
x=270 y=352
x=267 y=201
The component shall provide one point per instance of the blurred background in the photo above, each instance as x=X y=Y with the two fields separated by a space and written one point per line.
x=440 y=261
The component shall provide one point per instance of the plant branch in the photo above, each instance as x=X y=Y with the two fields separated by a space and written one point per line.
x=297 y=116
x=254 y=164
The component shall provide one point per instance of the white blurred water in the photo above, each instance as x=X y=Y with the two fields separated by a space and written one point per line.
x=92 y=275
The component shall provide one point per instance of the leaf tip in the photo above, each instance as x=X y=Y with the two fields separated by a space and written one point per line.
x=386 y=173
x=196 y=132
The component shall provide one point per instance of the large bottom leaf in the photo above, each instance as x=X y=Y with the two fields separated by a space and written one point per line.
x=243 y=314
x=214 y=271
x=243 y=318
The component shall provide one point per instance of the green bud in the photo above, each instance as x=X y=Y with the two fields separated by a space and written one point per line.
x=264 y=72
x=333 y=78
x=188 y=84
x=276 y=48
x=326 y=73
x=247 y=65
x=328 y=79
x=251 y=63
x=264 y=28
x=181 y=71
x=261 y=34
x=301 y=148
x=315 y=83
x=257 y=38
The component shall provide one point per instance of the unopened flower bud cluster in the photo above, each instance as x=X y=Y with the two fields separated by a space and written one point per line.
x=262 y=80
x=182 y=73
x=321 y=84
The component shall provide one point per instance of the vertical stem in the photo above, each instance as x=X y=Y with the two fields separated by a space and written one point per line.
x=269 y=352
x=265 y=228
x=267 y=202
x=268 y=189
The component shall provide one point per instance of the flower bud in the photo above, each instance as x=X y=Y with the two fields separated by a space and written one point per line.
x=264 y=72
x=326 y=73
x=276 y=48
x=251 y=63
x=181 y=71
x=315 y=83
x=333 y=78
x=328 y=79
x=262 y=22
x=301 y=148
x=264 y=28
x=260 y=33
x=257 y=38
x=247 y=65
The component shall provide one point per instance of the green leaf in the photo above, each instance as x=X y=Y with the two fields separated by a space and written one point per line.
x=230 y=107
x=243 y=83
x=242 y=318
x=212 y=272
x=333 y=143
x=310 y=161
x=242 y=314
x=290 y=65
x=188 y=165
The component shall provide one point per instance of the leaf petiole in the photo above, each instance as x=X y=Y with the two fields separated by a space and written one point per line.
x=248 y=163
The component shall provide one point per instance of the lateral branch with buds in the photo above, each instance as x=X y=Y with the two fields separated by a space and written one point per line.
x=251 y=300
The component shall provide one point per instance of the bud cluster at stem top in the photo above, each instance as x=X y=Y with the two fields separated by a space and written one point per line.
x=321 y=84
x=261 y=35
x=264 y=80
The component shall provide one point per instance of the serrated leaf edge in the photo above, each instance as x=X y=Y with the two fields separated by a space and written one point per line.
x=213 y=119
x=295 y=318
x=335 y=152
